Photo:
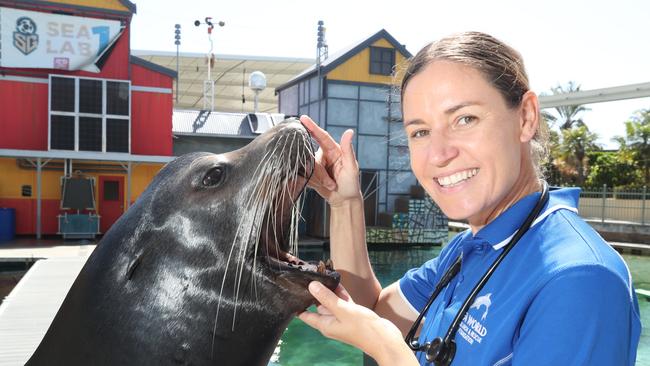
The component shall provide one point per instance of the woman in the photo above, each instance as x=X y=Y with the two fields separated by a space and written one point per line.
x=562 y=296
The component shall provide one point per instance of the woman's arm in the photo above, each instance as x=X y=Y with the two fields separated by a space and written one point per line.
x=336 y=178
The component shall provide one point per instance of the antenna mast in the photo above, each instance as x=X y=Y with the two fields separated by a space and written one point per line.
x=208 y=85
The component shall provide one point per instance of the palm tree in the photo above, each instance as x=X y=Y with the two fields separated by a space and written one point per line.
x=567 y=116
x=576 y=142
x=637 y=141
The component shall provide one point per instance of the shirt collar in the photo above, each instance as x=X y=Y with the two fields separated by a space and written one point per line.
x=498 y=232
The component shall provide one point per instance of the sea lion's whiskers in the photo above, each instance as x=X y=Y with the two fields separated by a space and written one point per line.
x=276 y=182
x=267 y=195
x=253 y=233
x=237 y=236
x=282 y=179
x=261 y=207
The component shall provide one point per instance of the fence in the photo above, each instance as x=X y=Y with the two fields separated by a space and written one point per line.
x=615 y=204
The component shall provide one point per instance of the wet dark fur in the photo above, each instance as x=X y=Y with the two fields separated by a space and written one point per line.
x=149 y=293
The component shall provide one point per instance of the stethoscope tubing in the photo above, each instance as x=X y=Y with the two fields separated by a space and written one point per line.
x=447 y=344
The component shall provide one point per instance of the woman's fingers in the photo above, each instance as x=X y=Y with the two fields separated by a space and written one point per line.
x=316 y=320
x=343 y=293
x=321 y=176
x=320 y=309
x=325 y=141
x=346 y=147
x=326 y=298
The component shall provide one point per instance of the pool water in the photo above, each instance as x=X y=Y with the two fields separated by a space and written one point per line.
x=301 y=345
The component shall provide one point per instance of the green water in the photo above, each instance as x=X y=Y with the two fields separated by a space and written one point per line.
x=301 y=345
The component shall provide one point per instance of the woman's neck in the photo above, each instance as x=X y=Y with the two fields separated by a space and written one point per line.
x=525 y=185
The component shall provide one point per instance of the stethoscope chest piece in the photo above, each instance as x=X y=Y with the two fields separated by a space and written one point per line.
x=440 y=353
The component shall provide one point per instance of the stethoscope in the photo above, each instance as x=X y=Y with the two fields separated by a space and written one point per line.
x=441 y=351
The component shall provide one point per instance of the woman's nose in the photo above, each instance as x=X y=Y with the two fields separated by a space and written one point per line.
x=441 y=151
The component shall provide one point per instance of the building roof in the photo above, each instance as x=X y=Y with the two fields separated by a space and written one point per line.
x=343 y=55
x=152 y=66
x=222 y=124
x=230 y=76
x=130 y=6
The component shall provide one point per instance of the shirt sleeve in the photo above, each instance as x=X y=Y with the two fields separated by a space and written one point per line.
x=418 y=283
x=583 y=316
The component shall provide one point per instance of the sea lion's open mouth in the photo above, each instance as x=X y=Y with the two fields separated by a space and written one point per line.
x=280 y=260
x=275 y=250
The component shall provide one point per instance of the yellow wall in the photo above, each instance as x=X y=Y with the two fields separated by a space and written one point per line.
x=357 y=68
x=102 y=4
x=14 y=177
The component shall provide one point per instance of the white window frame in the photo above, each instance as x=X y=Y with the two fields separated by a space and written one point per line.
x=76 y=114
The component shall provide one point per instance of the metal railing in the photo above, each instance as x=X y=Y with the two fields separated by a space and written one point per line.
x=615 y=204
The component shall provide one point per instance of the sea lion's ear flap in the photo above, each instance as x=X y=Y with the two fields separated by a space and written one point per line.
x=131 y=269
x=134 y=264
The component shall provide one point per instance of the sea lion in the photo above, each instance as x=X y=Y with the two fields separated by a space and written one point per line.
x=199 y=270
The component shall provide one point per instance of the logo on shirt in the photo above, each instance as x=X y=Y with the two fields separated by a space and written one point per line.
x=482 y=301
x=25 y=37
x=471 y=329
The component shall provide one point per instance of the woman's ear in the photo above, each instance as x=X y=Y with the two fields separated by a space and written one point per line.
x=529 y=116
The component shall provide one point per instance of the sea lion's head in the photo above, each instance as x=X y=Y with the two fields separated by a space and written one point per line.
x=240 y=211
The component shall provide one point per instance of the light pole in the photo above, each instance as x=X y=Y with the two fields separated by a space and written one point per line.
x=177 y=42
x=208 y=85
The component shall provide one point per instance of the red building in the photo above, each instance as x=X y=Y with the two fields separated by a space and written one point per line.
x=73 y=101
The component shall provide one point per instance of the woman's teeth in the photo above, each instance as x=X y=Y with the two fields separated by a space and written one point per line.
x=456 y=178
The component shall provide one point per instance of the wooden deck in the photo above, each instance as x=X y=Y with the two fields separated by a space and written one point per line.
x=26 y=314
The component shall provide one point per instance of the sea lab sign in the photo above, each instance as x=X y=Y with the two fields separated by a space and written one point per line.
x=32 y=39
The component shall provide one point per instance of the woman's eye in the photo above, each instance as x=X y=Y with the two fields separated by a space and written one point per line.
x=419 y=133
x=465 y=121
x=213 y=177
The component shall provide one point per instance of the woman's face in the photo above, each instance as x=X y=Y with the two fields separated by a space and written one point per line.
x=466 y=145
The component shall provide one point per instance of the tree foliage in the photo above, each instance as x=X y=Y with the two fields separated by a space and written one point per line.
x=566 y=117
x=611 y=168
x=636 y=142
x=576 y=143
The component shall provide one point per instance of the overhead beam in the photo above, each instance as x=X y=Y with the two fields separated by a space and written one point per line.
x=624 y=92
x=225 y=97
x=144 y=53
x=203 y=69
x=224 y=83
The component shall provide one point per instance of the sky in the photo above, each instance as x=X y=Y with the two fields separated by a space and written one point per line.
x=596 y=43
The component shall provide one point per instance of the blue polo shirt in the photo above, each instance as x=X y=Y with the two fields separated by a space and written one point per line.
x=562 y=296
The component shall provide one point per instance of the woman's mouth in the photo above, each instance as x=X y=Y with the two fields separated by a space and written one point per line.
x=456 y=178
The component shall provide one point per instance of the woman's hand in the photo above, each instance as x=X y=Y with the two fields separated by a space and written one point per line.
x=340 y=318
x=336 y=174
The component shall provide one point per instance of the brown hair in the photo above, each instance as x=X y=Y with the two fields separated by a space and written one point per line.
x=500 y=64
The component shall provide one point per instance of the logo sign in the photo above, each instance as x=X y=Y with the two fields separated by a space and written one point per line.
x=25 y=37
x=53 y=41
x=472 y=329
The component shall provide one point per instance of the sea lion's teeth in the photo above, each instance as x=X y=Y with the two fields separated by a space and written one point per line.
x=329 y=264
x=321 y=267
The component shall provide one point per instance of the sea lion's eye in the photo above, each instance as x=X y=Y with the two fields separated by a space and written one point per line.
x=213 y=176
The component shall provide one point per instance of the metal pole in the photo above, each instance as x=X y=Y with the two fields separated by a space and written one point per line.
x=177 y=42
x=38 y=198
x=645 y=190
x=602 y=214
x=128 y=184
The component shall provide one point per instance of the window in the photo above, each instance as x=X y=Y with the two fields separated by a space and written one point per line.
x=111 y=190
x=382 y=60
x=89 y=114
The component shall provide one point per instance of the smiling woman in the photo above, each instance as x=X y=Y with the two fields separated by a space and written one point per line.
x=469 y=149
x=476 y=144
